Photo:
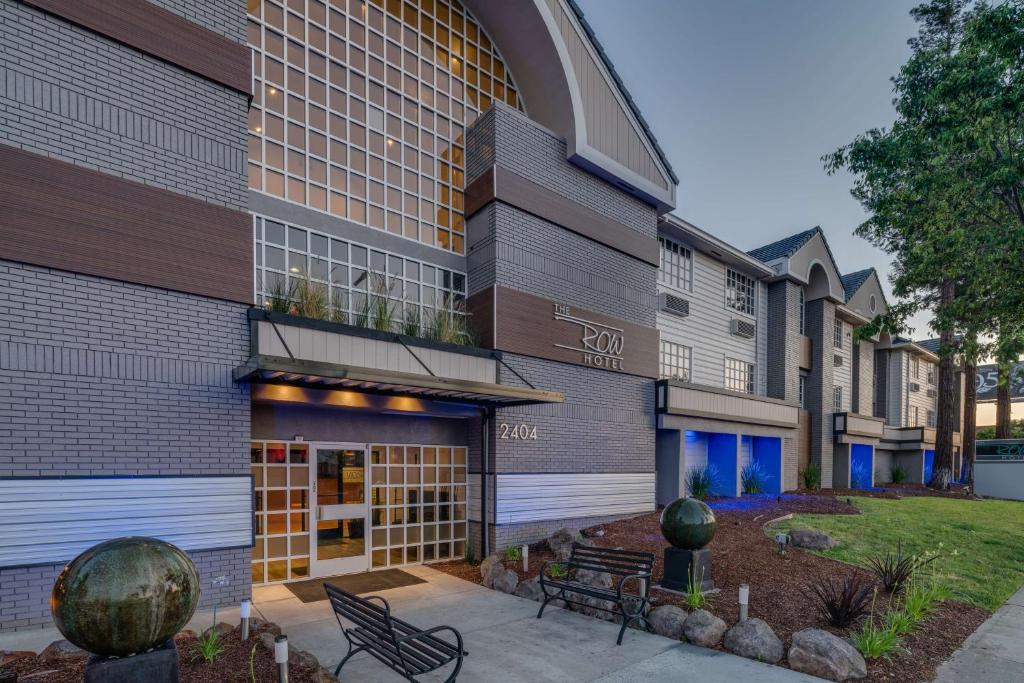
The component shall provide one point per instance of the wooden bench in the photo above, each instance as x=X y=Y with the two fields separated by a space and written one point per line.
x=405 y=649
x=629 y=566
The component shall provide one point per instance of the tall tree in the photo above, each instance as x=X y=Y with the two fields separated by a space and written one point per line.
x=1008 y=351
x=969 y=430
x=943 y=186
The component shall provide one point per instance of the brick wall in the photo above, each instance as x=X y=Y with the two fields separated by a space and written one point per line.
x=819 y=323
x=72 y=95
x=25 y=592
x=783 y=332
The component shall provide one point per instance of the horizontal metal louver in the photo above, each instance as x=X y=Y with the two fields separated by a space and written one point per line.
x=837 y=360
x=932 y=393
x=742 y=328
x=914 y=386
x=676 y=305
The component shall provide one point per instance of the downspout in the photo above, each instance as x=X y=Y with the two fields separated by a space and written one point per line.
x=487 y=414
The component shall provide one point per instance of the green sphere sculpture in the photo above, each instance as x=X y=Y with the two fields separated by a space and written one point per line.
x=688 y=523
x=125 y=596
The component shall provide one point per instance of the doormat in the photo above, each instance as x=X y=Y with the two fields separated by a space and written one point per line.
x=365 y=582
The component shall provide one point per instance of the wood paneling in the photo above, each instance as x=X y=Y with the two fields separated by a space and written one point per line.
x=539 y=327
x=59 y=215
x=535 y=497
x=46 y=521
x=511 y=188
x=162 y=34
x=720 y=404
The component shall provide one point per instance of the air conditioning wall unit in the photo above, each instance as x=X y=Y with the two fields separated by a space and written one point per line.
x=742 y=328
x=676 y=305
x=932 y=393
x=914 y=386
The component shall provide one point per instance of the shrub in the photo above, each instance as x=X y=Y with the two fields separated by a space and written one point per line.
x=898 y=620
x=842 y=602
x=311 y=300
x=920 y=597
x=208 y=645
x=694 y=598
x=753 y=478
x=558 y=571
x=513 y=553
x=875 y=641
x=281 y=293
x=895 y=569
x=701 y=481
x=811 y=475
x=899 y=475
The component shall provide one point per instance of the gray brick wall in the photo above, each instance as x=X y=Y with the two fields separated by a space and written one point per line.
x=73 y=95
x=25 y=591
x=783 y=332
x=226 y=17
x=819 y=322
x=104 y=377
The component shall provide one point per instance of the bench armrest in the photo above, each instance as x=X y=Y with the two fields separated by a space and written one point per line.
x=387 y=607
x=644 y=577
x=432 y=631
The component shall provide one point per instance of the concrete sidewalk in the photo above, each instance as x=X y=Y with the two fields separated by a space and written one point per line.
x=995 y=652
x=508 y=643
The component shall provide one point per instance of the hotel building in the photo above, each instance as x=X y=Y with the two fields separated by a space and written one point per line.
x=311 y=287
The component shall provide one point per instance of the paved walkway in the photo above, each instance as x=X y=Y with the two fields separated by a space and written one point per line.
x=995 y=652
x=507 y=642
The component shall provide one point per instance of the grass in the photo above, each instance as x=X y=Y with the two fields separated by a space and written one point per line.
x=981 y=543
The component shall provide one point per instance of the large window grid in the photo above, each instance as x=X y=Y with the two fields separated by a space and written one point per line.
x=419 y=501
x=359 y=109
x=675 y=361
x=351 y=273
x=739 y=376
x=837 y=334
x=676 y=265
x=280 y=479
x=739 y=292
x=837 y=399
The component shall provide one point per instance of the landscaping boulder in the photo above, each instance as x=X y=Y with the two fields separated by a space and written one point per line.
x=221 y=629
x=704 y=628
x=530 y=590
x=812 y=539
x=754 y=639
x=267 y=639
x=561 y=542
x=60 y=651
x=302 y=658
x=505 y=581
x=594 y=607
x=821 y=654
x=668 y=620
x=594 y=578
x=257 y=625
x=324 y=676
x=489 y=570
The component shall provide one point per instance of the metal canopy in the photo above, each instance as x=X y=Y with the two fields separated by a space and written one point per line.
x=317 y=375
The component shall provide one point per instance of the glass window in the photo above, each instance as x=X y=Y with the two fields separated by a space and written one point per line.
x=931 y=418
x=739 y=292
x=837 y=399
x=675 y=361
x=837 y=334
x=739 y=376
x=676 y=265
x=803 y=313
x=803 y=391
x=381 y=86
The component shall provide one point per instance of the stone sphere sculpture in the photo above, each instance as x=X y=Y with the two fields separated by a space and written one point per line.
x=125 y=596
x=688 y=523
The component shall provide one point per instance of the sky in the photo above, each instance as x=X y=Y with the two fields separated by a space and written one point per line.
x=745 y=96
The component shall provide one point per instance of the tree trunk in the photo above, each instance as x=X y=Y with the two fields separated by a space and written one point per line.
x=942 y=470
x=970 y=430
x=1003 y=401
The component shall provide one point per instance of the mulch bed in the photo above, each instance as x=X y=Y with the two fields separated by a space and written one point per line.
x=897 y=491
x=232 y=665
x=743 y=553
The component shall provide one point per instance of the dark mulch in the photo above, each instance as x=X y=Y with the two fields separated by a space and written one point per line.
x=232 y=665
x=743 y=553
x=896 y=491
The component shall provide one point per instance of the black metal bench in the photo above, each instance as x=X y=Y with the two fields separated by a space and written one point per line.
x=407 y=650
x=627 y=565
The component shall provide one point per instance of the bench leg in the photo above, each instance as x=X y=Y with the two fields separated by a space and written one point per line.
x=346 y=658
x=455 y=673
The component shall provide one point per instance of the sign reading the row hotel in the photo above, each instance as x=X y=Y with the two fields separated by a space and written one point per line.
x=539 y=327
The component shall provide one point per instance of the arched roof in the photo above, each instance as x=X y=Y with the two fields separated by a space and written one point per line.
x=570 y=87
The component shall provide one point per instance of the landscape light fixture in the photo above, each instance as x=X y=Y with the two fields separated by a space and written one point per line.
x=281 y=658
x=245 y=610
x=526 y=558
x=782 y=538
x=744 y=600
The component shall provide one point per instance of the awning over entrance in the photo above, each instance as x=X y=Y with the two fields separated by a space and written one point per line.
x=261 y=369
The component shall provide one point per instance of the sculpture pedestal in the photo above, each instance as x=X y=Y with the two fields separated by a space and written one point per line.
x=159 y=665
x=681 y=565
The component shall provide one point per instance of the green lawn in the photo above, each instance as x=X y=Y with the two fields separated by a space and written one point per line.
x=981 y=542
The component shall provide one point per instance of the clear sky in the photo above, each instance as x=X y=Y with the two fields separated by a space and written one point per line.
x=745 y=96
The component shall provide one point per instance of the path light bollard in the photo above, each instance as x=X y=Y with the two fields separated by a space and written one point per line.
x=526 y=558
x=245 y=611
x=744 y=600
x=281 y=658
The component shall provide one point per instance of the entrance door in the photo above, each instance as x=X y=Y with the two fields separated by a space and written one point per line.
x=338 y=473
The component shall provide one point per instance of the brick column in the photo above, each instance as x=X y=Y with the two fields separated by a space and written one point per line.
x=784 y=340
x=819 y=323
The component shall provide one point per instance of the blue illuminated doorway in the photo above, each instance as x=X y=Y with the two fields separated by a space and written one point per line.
x=862 y=459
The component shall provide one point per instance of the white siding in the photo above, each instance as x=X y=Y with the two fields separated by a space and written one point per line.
x=920 y=397
x=535 y=497
x=843 y=374
x=706 y=329
x=46 y=521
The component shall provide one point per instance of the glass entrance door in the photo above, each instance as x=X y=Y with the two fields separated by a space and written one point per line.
x=338 y=473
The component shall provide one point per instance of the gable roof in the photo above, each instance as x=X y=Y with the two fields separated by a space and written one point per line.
x=787 y=246
x=853 y=281
x=622 y=88
x=929 y=345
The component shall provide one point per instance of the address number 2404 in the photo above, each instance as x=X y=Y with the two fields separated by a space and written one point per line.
x=520 y=432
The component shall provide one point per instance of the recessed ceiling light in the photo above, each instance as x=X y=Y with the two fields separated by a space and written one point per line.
x=272 y=91
x=294 y=269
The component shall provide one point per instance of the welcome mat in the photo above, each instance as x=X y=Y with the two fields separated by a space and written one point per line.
x=365 y=582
